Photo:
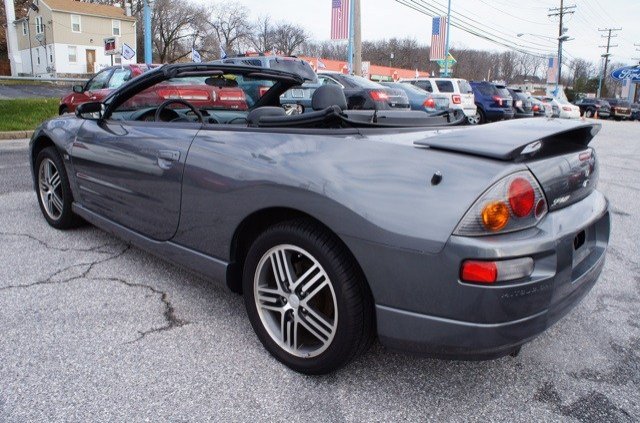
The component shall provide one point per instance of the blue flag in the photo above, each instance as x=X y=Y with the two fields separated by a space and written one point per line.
x=195 y=56
x=127 y=52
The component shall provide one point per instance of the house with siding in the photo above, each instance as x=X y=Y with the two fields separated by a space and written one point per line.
x=66 y=37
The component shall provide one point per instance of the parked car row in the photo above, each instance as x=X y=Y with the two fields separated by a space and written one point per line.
x=605 y=108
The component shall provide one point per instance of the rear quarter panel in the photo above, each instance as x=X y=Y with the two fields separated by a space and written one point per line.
x=370 y=187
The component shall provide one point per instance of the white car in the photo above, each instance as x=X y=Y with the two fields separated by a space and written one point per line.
x=458 y=90
x=563 y=108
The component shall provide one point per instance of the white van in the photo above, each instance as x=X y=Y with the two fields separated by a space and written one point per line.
x=459 y=91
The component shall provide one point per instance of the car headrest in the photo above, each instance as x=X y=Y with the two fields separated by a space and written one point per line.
x=327 y=96
x=254 y=116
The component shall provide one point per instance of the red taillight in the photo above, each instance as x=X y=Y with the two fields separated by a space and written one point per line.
x=184 y=94
x=456 y=99
x=263 y=90
x=585 y=155
x=430 y=103
x=497 y=99
x=379 y=95
x=521 y=197
x=479 y=271
x=535 y=108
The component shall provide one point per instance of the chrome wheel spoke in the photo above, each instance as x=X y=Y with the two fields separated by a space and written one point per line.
x=281 y=270
x=315 y=329
x=57 y=201
x=54 y=182
x=317 y=287
x=317 y=320
x=268 y=295
x=310 y=277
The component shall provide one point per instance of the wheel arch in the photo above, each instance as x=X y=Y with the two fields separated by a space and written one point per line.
x=256 y=223
x=39 y=144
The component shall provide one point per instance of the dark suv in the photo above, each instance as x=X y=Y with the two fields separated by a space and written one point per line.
x=494 y=102
x=589 y=107
x=522 y=106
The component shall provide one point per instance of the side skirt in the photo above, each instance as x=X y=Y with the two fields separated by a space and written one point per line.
x=206 y=266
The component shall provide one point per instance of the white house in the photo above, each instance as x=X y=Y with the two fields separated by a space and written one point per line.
x=66 y=37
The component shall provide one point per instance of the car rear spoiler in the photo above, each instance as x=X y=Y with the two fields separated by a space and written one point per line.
x=515 y=140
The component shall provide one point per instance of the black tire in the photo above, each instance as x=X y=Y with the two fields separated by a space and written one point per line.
x=355 y=328
x=66 y=218
x=63 y=110
x=588 y=113
x=483 y=118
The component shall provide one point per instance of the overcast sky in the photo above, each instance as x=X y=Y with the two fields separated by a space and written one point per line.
x=504 y=18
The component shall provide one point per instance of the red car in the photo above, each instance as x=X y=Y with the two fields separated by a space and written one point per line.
x=199 y=93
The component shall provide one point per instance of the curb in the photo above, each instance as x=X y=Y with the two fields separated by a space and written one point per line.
x=15 y=135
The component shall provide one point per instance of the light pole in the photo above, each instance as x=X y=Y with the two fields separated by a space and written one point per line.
x=148 y=57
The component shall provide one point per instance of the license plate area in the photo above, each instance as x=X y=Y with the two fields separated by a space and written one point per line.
x=582 y=247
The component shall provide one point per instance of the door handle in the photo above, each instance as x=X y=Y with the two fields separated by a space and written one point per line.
x=171 y=155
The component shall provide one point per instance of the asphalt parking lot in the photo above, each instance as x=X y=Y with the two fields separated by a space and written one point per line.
x=95 y=330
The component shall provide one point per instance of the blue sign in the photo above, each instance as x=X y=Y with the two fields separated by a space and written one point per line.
x=627 y=72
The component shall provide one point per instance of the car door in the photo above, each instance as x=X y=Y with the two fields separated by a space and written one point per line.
x=130 y=172
x=96 y=89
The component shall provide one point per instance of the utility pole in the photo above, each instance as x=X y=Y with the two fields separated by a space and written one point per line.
x=357 y=39
x=12 y=37
x=606 y=55
x=560 y=12
x=148 y=56
x=446 y=42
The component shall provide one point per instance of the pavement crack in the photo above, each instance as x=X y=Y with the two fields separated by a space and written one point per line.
x=51 y=279
x=169 y=314
x=98 y=248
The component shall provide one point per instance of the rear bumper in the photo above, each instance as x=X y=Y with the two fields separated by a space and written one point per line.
x=496 y=113
x=423 y=307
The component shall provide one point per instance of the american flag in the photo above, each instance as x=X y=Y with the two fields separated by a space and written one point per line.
x=552 y=70
x=438 y=38
x=339 y=19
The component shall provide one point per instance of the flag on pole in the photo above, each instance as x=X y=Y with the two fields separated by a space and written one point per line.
x=339 y=19
x=552 y=71
x=127 y=52
x=438 y=38
x=195 y=56
x=321 y=64
x=223 y=54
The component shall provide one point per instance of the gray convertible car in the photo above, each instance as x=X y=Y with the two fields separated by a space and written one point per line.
x=338 y=225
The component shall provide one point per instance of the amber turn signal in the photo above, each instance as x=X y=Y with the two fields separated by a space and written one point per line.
x=495 y=215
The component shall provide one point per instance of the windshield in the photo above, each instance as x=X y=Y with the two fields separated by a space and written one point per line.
x=502 y=91
x=359 y=82
x=411 y=88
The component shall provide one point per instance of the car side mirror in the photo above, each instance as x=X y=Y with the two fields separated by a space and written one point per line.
x=92 y=110
x=78 y=89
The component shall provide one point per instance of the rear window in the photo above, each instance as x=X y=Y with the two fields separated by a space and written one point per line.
x=487 y=89
x=409 y=87
x=358 y=81
x=502 y=91
x=444 y=86
x=297 y=66
x=464 y=86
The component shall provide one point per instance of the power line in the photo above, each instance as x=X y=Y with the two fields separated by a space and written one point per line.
x=470 y=28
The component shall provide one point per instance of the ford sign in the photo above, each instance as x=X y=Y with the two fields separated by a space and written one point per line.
x=631 y=72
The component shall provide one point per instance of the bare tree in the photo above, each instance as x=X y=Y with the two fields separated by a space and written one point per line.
x=262 y=37
x=177 y=28
x=230 y=22
x=288 y=37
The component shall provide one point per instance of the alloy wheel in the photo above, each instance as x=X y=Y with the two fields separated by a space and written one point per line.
x=50 y=188
x=295 y=300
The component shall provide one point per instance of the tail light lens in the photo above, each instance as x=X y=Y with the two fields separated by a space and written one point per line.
x=514 y=203
x=566 y=108
x=430 y=103
x=456 y=99
x=379 y=95
x=489 y=272
x=185 y=94
x=497 y=99
x=263 y=90
x=535 y=108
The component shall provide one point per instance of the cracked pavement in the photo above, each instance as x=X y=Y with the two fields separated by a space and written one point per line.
x=93 y=329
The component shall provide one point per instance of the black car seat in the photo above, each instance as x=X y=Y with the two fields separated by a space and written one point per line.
x=253 y=118
x=328 y=102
